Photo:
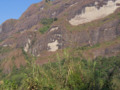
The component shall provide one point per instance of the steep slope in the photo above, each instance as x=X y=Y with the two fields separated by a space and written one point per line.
x=47 y=27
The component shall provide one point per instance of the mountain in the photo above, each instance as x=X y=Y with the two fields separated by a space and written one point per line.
x=62 y=30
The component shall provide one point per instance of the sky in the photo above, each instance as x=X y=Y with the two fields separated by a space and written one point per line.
x=13 y=9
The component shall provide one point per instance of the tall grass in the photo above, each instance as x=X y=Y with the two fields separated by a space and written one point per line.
x=70 y=73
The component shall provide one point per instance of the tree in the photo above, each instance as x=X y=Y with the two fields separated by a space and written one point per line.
x=47 y=1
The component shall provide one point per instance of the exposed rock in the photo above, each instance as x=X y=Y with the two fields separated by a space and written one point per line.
x=26 y=48
x=24 y=32
x=109 y=51
x=92 y=12
x=0 y=28
x=53 y=46
x=53 y=29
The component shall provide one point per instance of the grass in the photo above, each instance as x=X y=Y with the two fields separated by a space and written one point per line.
x=100 y=45
x=68 y=73
x=4 y=49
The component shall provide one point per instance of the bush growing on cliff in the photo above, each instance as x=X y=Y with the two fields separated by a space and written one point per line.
x=44 y=29
x=48 y=1
x=5 y=49
x=46 y=24
x=48 y=21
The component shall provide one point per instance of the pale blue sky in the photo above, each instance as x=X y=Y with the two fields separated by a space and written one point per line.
x=13 y=9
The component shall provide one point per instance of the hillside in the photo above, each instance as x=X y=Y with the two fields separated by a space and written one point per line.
x=88 y=30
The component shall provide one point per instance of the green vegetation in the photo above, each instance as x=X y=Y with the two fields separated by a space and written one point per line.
x=4 y=49
x=48 y=21
x=88 y=47
x=44 y=29
x=68 y=73
x=46 y=24
x=48 y=1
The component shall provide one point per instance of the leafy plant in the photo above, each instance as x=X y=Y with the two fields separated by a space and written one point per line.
x=9 y=85
x=44 y=29
x=46 y=24
x=67 y=73
x=48 y=21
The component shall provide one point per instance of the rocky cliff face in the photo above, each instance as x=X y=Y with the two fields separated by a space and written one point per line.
x=50 y=26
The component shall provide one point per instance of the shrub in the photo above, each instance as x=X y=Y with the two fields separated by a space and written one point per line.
x=69 y=73
x=48 y=21
x=44 y=29
x=48 y=1
x=4 y=49
x=75 y=82
x=9 y=85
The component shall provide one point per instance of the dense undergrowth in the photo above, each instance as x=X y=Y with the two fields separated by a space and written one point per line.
x=68 y=73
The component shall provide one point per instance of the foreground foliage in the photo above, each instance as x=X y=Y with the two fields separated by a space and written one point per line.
x=70 y=73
